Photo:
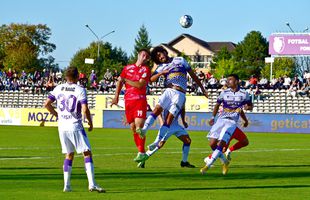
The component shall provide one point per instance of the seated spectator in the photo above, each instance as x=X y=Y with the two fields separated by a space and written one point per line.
x=115 y=75
x=94 y=85
x=15 y=85
x=59 y=75
x=212 y=82
x=223 y=81
x=304 y=90
x=201 y=76
x=263 y=83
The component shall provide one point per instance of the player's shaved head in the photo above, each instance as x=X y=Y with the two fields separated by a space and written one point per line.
x=72 y=74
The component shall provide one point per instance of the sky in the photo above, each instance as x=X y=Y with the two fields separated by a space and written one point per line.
x=221 y=20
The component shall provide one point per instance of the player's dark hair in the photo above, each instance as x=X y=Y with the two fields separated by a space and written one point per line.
x=72 y=73
x=155 y=51
x=235 y=76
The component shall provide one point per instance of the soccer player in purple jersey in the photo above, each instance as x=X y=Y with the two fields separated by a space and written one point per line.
x=71 y=100
x=234 y=100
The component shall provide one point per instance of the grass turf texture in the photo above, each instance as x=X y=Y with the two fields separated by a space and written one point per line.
x=273 y=166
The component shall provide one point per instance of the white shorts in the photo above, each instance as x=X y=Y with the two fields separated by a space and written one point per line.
x=74 y=140
x=172 y=100
x=176 y=130
x=223 y=129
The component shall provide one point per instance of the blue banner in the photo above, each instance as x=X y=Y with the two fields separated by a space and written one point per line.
x=283 y=123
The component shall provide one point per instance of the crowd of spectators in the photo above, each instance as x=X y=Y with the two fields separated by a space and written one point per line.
x=45 y=81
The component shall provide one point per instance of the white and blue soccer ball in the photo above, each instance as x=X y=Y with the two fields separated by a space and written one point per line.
x=186 y=21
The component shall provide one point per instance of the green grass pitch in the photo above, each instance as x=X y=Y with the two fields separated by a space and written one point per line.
x=273 y=166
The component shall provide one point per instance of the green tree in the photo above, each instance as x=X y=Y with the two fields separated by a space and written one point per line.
x=251 y=52
x=24 y=46
x=280 y=67
x=223 y=54
x=141 y=42
x=110 y=58
x=225 y=67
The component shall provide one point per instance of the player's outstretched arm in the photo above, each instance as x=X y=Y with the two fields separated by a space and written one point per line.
x=156 y=76
x=49 y=107
x=86 y=113
x=119 y=85
x=196 y=79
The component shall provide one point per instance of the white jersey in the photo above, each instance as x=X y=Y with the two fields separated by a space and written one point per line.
x=70 y=98
x=232 y=103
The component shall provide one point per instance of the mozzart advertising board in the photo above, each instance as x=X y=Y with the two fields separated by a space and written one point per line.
x=284 y=123
x=193 y=103
x=38 y=117
x=289 y=44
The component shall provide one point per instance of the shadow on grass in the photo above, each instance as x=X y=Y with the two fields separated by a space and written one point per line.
x=213 y=188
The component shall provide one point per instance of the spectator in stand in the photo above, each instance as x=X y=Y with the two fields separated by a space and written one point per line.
x=115 y=75
x=103 y=85
x=92 y=77
x=23 y=76
x=263 y=83
x=201 y=76
x=287 y=82
x=9 y=74
x=108 y=75
x=208 y=75
x=212 y=82
x=307 y=77
x=50 y=85
x=253 y=82
x=94 y=85
x=296 y=82
x=82 y=80
x=59 y=75
x=15 y=84
x=223 y=81
x=304 y=91
x=1 y=85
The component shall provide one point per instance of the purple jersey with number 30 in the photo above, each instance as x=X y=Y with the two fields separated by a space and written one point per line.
x=69 y=98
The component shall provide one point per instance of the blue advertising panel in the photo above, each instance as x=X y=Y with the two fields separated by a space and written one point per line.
x=284 y=123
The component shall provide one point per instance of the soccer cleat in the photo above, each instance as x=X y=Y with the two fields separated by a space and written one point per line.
x=96 y=188
x=141 y=164
x=67 y=188
x=204 y=169
x=228 y=155
x=225 y=168
x=141 y=132
x=151 y=147
x=141 y=157
x=187 y=164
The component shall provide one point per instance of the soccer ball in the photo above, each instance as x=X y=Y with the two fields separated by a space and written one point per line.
x=186 y=21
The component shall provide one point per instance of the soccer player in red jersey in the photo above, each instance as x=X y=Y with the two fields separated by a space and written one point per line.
x=135 y=77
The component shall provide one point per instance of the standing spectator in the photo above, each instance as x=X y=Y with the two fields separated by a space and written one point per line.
x=115 y=75
x=92 y=77
x=253 y=82
x=50 y=84
x=58 y=76
x=201 y=76
x=108 y=75
x=23 y=76
x=287 y=82
x=9 y=74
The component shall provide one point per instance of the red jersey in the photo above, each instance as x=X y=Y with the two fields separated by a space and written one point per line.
x=135 y=73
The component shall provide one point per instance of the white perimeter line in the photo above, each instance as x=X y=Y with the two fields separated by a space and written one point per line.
x=165 y=152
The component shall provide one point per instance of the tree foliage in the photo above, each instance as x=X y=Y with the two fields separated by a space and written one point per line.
x=24 y=46
x=141 y=42
x=250 y=53
x=280 y=67
x=109 y=58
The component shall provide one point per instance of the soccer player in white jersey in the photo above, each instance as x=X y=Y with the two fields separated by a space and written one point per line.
x=177 y=130
x=175 y=70
x=71 y=100
x=234 y=100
